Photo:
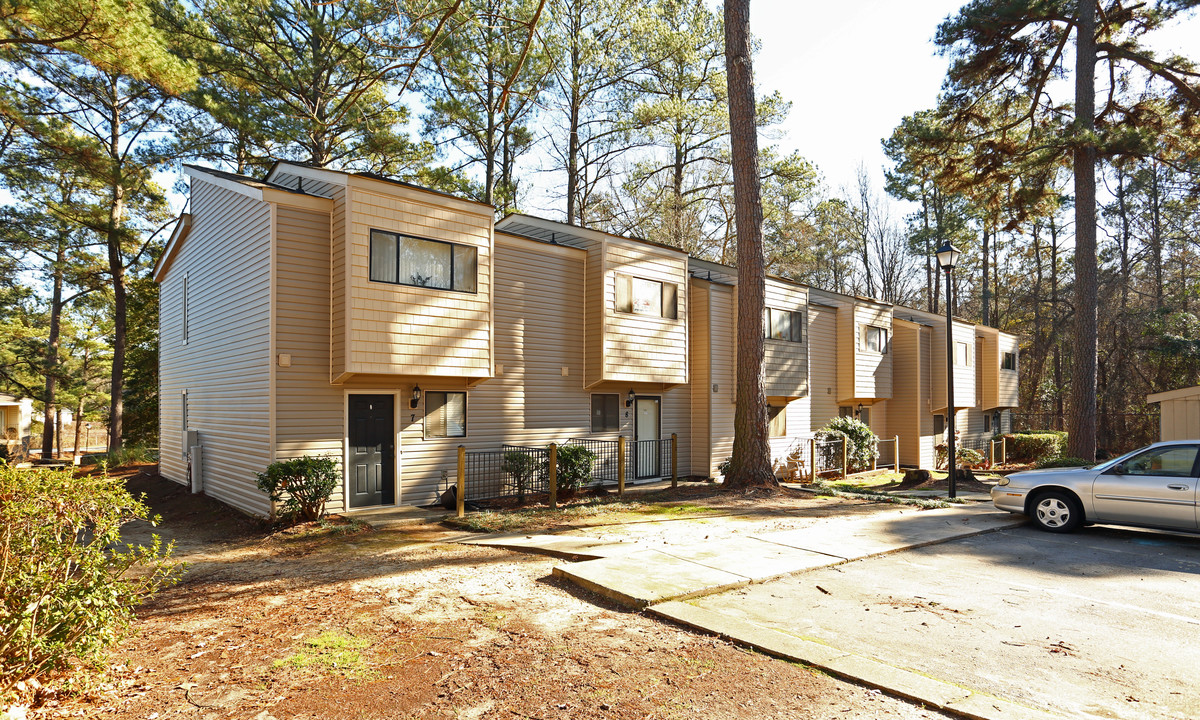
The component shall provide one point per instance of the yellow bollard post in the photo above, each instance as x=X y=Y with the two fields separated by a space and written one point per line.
x=621 y=466
x=553 y=480
x=674 y=460
x=461 y=487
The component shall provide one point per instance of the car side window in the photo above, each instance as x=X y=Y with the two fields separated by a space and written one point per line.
x=1174 y=461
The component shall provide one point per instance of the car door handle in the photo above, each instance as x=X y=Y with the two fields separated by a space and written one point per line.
x=1176 y=486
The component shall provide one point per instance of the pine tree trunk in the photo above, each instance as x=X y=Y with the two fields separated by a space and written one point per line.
x=985 y=296
x=751 y=463
x=1082 y=440
x=52 y=362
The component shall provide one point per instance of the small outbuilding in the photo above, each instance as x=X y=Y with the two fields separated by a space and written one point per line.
x=1180 y=417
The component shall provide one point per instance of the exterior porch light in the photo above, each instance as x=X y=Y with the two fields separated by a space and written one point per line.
x=947 y=258
x=858 y=412
x=630 y=398
x=415 y=400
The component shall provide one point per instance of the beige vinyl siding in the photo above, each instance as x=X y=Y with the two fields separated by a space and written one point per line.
x=1008 y=390
x=823 y=364
x=785 y=363
x=964 y=375
x=987 y=367
x=225 y=365
x=929 y=439
x=406 y=330
x=308 y=410
x=595 y=312
x=700 y=360
x=1179 y=417
x=338 y=329
x=641 y=348
x=872 y=370
x=905 y=409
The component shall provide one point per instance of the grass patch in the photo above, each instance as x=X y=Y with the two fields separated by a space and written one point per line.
x=526 y=519
x=331 y=653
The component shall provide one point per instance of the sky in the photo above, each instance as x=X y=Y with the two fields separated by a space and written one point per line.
x=853 y=69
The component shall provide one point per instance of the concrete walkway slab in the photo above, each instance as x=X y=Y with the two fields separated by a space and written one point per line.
x=855 y=538
x=645 y=577
x=388 y=518
x=751 y=558
x=568 y=547
x=868 y=671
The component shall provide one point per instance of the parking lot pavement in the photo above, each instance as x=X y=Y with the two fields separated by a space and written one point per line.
x=1101 y=623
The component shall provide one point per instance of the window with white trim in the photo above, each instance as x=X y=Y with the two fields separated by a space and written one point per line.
x=962 y=354
x=445 y=414
x=640 y=296
x=406 y=260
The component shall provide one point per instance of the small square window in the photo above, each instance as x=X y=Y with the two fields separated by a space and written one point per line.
x=783 y=324
x=606 y=413
x=874 y=339
x=939 y=425
x=987 y=423
x=1008 y=361
x=962 y=354
x=445 y=414
x=646 y=297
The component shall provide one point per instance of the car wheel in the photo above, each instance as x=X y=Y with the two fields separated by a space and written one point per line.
x=1057 y=511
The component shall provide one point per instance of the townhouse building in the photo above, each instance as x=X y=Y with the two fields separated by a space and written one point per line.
x=348 y=314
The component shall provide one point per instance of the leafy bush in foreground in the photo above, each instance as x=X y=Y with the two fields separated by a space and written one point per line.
x=863 y=445
x=65 y=589
x=302 y=484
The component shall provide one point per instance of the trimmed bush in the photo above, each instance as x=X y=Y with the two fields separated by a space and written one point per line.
x=574 y=466
x=1063 y=462
x=66 y=592
x=302 y=484
x=967 y=458
x=862 y=448
x=1035 y=446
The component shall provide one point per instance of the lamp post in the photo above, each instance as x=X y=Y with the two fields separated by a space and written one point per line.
x=947 y=257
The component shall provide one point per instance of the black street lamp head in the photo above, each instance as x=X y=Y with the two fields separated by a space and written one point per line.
x=947 y=256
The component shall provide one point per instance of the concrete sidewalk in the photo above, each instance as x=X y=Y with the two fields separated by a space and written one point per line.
x=659 y=580
x=641 y=578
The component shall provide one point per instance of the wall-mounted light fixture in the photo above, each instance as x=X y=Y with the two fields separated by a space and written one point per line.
x=630 y=398
x=415 y=400
x=858 y=413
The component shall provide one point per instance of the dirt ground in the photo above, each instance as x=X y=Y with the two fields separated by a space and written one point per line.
x=337 y=621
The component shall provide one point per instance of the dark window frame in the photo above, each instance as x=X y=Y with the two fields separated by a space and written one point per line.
x=605 y=427
x=883 y=339
x=668 y=300
x=396 y=236
x=447 y=393
x=795 y=324
x=1005 y=363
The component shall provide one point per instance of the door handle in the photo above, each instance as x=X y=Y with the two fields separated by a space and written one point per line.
x=1176 y=486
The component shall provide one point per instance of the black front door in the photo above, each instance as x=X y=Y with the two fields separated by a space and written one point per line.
x=372 y=469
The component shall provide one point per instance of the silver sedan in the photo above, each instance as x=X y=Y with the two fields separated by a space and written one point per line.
x=1155 y=487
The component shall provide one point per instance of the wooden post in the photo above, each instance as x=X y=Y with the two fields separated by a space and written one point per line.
x=621 y=466
x=845 y=465
x=1003 y=451
x=991 y=453
x=812 y=459
x=875 y=459
x=674 y=460
x=553 y=449
x=896 y=453
x=461 y=488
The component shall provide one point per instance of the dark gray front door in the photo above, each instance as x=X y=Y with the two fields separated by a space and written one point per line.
x=372 y=469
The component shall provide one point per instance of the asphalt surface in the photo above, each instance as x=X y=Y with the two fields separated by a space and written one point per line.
x=1103 y=623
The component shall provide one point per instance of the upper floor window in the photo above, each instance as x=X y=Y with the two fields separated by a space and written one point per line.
x=962 y=354
x=874 y=339
x=413 y=261
x=647 y=297
x=185 y=308
x=783 y=324
x=1008 y=361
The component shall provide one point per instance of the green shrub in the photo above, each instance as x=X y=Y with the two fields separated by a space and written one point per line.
x=302 y=484
x=521 y=466
x=65 y=589
x=863 y=447
x=967 y=458
x=128 y=454
x=574 y=466
x=1063 y=462
x=1036 y=446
